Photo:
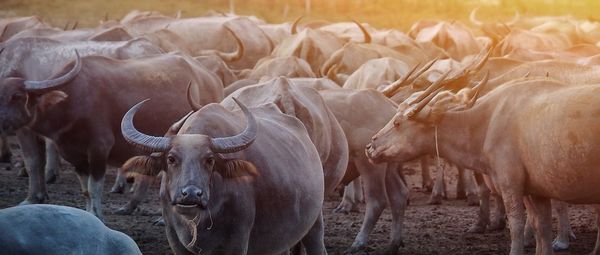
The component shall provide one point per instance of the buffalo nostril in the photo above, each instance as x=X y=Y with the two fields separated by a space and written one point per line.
x=192 y=192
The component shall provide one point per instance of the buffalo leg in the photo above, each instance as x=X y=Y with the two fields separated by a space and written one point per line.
x=140 y=190
x=484 y=206
x=373 y=182
x=499 y=221
x=52 y=169
x=397 y=197
x=561 y=242
x=529 y=232
x=512 y=194
x=596 y=250
x=470 y=187
x=348 y=204
x=541 y=209
x=4 y=150
x=83 y=181
x=34 y=157
x=426 y=182
x=439 y=186
x=461 y=192
x=120 y=181
x=313 y=241
x=97 y=159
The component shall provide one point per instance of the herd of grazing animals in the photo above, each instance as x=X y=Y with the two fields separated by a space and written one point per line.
x=249 y=125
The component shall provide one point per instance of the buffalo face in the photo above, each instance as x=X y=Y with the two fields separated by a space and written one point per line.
x=21 y=99
x=13 y=105
x=401 y=139
x=193 y=161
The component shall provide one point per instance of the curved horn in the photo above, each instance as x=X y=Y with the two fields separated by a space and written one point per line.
x=482 y=61
x=515 y=19
x=473 y=18
x=332 y=73
x=240 y=141
x=410 y=78
x=42 y=86
x=436 y=85
x=507 y=26
x=139 y=139
x=364 y=31
x=174 y=129
x=75 y=25
x=232 y=56
x=477 y=89
x=423 y=70
x=294 y=29
x=193 y=104
x=3 y=31
x=67 y=25
x=390 y=90
x=422 y=100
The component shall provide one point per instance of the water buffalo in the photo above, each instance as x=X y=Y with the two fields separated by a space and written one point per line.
x=307 y=105
x=256 y=191
x=80 y=110
x=528 y=135
x=54 y=229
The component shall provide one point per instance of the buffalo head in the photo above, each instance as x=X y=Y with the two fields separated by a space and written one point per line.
x=21 y=100
x=192 y=160
x=411 y=132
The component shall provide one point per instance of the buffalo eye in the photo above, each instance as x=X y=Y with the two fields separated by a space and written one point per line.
x=210 y=161
x=396 y=123
x=171 y=160
x=17 y=97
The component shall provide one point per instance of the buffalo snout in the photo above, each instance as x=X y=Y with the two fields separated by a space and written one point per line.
x=191 y=197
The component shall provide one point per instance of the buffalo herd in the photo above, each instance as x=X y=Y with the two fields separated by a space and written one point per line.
x=248 y=126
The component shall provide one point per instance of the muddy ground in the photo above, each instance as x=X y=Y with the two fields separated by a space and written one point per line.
x=429 y=229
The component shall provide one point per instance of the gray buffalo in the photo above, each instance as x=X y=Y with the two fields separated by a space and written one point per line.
x=54 y=229
x=234 y=190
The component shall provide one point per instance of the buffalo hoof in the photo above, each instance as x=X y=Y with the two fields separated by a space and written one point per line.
x=5 y=158
x=472 y=200
x=498 y=224
x=461 y=195
x=393 y=248
x=51 y=177
x=34 y=200
x=22 y=173
x=346 y=207
x=125 y=210
x=560 y=245
x=117 y=188
x=355 y=249
x=427 y=187
x=476 y=229
x=435 y=200
x=529 y=242
x=159 y=222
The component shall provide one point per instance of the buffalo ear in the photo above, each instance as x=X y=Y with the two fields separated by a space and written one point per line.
x=47 y=100
x=235 y=168
x=145 y=165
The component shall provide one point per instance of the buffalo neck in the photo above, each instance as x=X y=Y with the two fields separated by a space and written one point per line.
x=461 y=135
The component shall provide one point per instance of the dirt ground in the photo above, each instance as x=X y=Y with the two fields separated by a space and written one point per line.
x=429 y=229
